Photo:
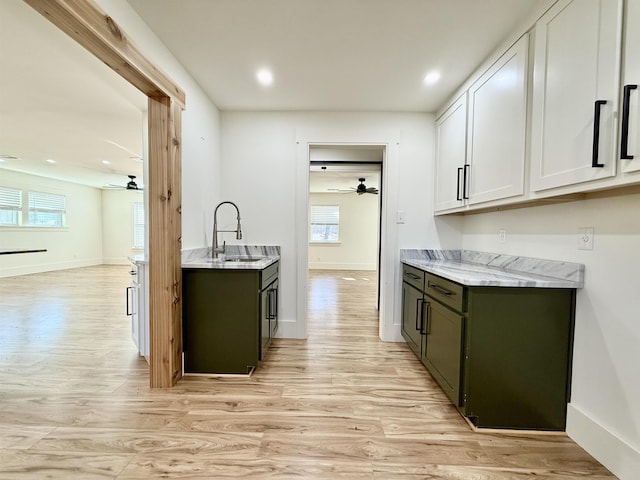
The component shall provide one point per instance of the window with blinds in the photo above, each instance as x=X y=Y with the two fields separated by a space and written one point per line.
x=324 y=224
x=138 y=225
x=10 y=206
x=47 y=209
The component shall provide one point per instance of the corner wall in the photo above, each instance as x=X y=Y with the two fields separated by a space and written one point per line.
x=603 y=415
x=117 y=225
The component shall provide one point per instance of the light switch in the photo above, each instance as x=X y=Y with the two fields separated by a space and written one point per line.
x=400 y=216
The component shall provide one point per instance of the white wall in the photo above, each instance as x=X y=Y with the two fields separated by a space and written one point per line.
x=78 y=244
x=260 y=158
x=117 y=225
x=358 y=245
x=604 y=417
x=201 y=179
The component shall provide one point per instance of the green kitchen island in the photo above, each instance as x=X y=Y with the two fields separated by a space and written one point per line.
x=229 y=308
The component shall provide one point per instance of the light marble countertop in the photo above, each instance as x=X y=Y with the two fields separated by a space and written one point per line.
x=472 y=268
x=264 y=255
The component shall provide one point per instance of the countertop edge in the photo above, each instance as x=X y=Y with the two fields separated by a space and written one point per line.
x=492 y=276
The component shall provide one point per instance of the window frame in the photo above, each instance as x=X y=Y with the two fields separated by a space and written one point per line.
x=47 y=204
x=6 y=205
x=324 y=219
x=138 y=227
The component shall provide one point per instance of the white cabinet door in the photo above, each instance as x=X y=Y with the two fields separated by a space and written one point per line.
x=451 y=131
x=143 y=310
x=497 y=128
x=630 y=115
x=575 y=67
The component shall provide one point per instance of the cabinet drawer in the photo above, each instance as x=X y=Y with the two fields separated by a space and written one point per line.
x=413 y=276
x=445 y=291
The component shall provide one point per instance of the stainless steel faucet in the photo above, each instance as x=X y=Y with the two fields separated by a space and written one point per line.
x=216 y=249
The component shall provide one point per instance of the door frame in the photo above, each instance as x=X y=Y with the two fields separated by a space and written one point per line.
x=389 y=328
x=91 y=27
x=378 y=212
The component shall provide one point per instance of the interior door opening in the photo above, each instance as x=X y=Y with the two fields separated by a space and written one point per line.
x=344 y=211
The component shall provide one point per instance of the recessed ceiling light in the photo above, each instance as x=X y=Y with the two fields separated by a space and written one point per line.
x=431 y=77
x=50 y=160
x=106 y=162
x=265 y=77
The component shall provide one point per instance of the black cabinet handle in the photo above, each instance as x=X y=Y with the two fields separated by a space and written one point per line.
x=419 y=303
x=440 y=290
x=129 y=310
x=412 y=275
x=624 y=136
x=458 y=197
x=596 y=134
x=465 y=180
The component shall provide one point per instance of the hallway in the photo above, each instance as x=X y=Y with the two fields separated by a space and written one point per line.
x=75 y=402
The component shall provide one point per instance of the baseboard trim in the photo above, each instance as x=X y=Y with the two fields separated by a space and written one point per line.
x=289 y=329
x=46 y=267
x=622 y=459
x=341 y=266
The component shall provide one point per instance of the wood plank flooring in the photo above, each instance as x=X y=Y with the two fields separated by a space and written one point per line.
x=75 y=401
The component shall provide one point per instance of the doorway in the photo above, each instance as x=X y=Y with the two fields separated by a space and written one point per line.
x=344 y=230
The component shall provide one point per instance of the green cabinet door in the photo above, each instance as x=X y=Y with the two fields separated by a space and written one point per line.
x=412 y=301
x=220 y=320
x=442 y=352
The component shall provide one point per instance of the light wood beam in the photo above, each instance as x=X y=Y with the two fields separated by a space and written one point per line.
x=165 y=272
x=96 y=31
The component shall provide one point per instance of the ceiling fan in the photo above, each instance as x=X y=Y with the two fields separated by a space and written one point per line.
x=131 y=184
x=360 y=189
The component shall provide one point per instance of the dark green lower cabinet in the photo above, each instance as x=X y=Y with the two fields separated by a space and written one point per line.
x=518 y=353
x=223 y=318
x=502 y=355
x=442 y=347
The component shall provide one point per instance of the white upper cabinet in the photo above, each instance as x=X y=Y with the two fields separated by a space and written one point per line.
x=630 y=112
x=575 y=93
x=496 y=129
x=451 y=134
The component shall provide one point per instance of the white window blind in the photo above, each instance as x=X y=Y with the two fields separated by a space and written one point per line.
x=138 y=225
x=47 y=209
x=324 y=223
x=10 y=206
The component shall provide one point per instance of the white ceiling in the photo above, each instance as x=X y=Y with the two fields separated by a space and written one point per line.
x=337 y=55
x=57 y=101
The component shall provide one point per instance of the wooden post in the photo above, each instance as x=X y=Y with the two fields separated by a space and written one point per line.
x=92 y=28
x=165 y=272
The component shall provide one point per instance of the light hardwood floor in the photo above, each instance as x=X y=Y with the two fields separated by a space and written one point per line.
x=75 y=401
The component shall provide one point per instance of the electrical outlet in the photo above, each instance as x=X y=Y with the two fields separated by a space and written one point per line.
x=585 y=238
x=502 y=236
